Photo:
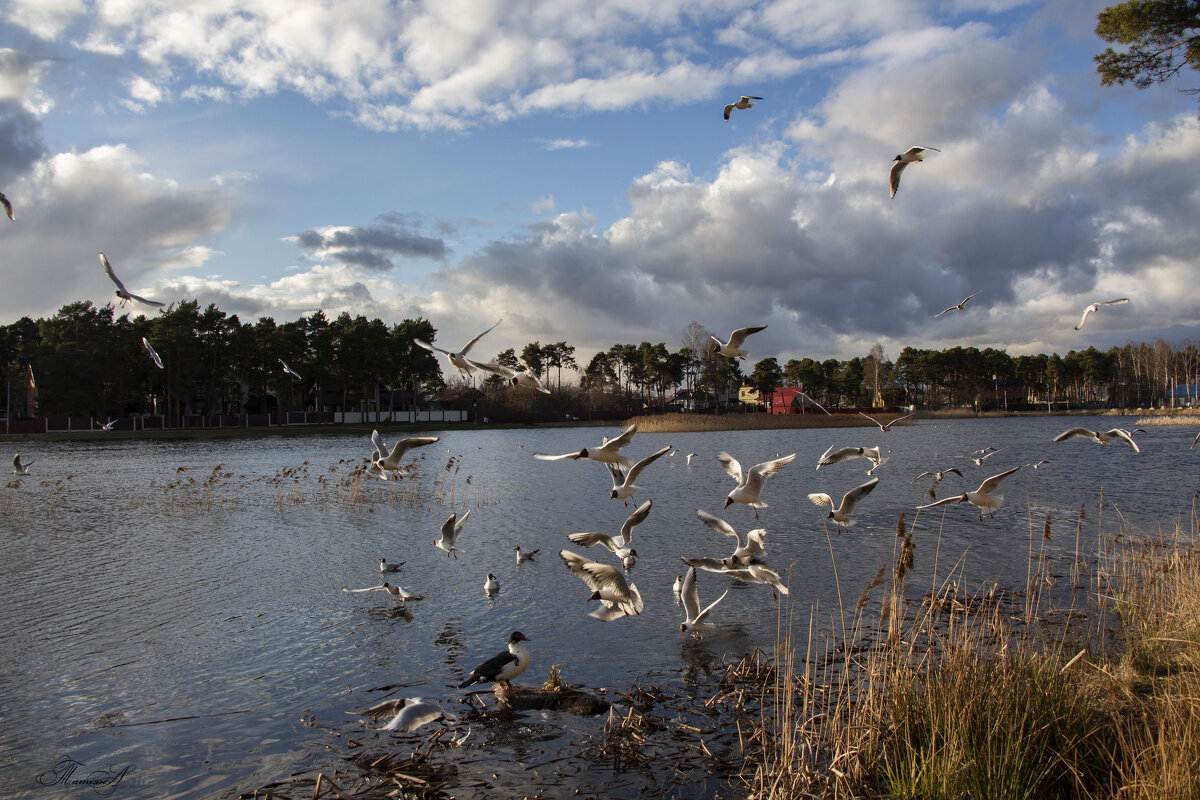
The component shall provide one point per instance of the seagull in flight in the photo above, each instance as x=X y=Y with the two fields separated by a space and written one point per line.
x=695 y=620
x=620 y=545
x=391 y=461
x=744 y=554
x=938 y=476
x=1096 y=307
x=153 y=353
x=122 y=292
x=618 y=597
x=458 y=359
x=841 y=514
x=914 y=153
x=743 y=104
x=887 y=426
x=623 y=481
x=523 y=377
x=750 y=482
x=287 y=369
x=451 y=528
x=607 y=452
x=4 y=201
x=754 y=572
x=1102 y=437
x=21 y=468
x=832 y=456
x=733 y=347
x=980 y=456
x=982 y=497
x=958 y=307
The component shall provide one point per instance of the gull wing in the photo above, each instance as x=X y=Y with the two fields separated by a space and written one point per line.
x=732 y=466
x=431 y=348
x=633 y=520
x=625 y=438
x=958 y=498
x=381 y=449
x=894 y=176
x=707 y=564
x=111 y=274
x=153 y=354
x=821 y=499
x=415 y=713
x=496 y=369
x=1125 y=436
x=392 y=461
x=631 y=476
x=738 y=337
x=989 y=485
x=471 y=343
x=768 y=468
x=1071 y=433
x=877 y=422
x=719 y=525
x=592 y=538
x=851 y=498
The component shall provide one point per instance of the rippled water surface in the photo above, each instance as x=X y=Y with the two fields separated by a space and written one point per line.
x=177 y=605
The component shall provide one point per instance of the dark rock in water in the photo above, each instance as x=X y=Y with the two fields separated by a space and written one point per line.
x=573 y=701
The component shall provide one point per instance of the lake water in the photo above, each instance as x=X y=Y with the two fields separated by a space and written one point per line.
x=161 y=615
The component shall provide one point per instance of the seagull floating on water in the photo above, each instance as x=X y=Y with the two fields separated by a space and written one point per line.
x=122 y=292
x=395 y=590
x=459 y=359
x=958 y=307
x=504 y=666
x=153 y=353
x=1102 y=437
x=733 y=347
x=696 y=618
x=914 y=153
x=386 y=566
x=491 y=585
x=742 y=104
x=841 y=514
x=982 y=497
x=20 y=468
x=750 y=482
x=523 y=557
x=1096 y=307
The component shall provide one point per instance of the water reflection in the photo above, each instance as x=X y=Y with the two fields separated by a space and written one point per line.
x=223 y=593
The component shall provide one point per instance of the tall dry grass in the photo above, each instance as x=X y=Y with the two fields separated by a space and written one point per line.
x=1000 y=694
x=689 y=423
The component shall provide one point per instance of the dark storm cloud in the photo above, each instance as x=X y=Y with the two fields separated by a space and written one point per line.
x=374 y=246
x=21 y=142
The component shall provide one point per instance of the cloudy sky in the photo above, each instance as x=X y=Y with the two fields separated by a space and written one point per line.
x=564 y=165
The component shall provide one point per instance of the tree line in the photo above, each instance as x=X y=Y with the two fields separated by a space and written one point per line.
x=90 y=361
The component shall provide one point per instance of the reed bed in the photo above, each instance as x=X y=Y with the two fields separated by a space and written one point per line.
x=1190 y=418
x=691 y=423
x=997 y=694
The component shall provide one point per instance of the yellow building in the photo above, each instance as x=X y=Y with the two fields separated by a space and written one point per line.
x=747 y=394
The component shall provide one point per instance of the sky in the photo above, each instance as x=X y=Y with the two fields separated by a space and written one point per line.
x=564 y=166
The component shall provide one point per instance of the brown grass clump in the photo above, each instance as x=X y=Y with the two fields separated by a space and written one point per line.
x=995 y=695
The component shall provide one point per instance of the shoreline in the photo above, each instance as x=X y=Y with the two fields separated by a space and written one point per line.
x=650 y=423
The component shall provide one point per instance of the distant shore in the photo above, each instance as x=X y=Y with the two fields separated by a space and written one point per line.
x=648 y=423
